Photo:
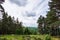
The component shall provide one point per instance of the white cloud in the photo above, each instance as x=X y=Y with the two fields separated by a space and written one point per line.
x=19 y=2
x=34 y=9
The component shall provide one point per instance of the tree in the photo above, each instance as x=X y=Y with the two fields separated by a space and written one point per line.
x=4 y=23
x=53 y=16
x=0 y=26
x=51 y=19
x=11 y=26
x=19 y=27
x=8 y=25
x=41 y=24
x=55 y=28
x=27 y=31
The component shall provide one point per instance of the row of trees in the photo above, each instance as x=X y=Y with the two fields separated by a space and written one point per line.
x=8 y=25
x=51 y=24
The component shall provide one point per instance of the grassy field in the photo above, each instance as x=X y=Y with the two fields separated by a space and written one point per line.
x=25 y=37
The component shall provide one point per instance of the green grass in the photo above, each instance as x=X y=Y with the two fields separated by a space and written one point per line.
x=22 y=37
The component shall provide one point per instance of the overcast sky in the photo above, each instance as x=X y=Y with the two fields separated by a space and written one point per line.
x=27 y=11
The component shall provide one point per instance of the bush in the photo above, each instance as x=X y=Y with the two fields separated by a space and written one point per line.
x=39 y=39
x=19 y=31
x=48 y=37
x=3 y=38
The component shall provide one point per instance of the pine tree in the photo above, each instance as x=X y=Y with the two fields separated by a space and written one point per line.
x=11 y=27
x=41 y=24
x=53 y=16
x=4 y=23
x=0 y=26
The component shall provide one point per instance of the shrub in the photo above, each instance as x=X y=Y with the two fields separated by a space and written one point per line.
x=17 y=31
x=48 y=37
x=3 y=38
x=0 y=38
x=39 y=39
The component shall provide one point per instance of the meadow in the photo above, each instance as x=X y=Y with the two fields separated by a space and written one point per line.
x=26 y=37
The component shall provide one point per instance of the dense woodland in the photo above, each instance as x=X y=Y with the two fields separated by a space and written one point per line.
x=51 y=23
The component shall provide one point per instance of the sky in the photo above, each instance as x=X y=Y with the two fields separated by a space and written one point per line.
x=27 y=11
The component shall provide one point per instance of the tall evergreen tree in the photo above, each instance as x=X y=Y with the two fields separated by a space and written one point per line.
x=0 y=26
x=41 y=24
x=53 y=16
x=11 y=27
x=4 y=23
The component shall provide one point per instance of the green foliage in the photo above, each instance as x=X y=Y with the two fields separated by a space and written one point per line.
x=8 y=25
x=27 y=31
x=39 y=39
x=33 y=30
x=52 y=21
x=51 y=17
x=41 y=23
x=57 y=23
x=3 y=38
x=40 y=19
x=19 y=31
x=4 y=23
x=48 y=37
x=55 y=28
